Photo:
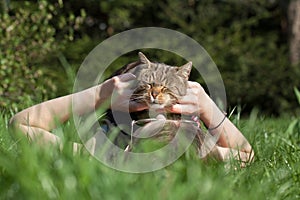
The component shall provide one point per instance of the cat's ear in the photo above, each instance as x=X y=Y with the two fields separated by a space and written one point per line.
x=144 y=59
x=185 y=70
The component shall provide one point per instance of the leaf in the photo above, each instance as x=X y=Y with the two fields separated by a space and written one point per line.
x=291 y=128
x=297 y=93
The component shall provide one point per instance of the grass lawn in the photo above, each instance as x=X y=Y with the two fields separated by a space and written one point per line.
x=31 y=172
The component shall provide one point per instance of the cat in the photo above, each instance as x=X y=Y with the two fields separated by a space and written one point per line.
x=161 y=85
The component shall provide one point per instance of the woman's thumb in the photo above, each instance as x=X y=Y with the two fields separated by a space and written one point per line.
x=127 y=77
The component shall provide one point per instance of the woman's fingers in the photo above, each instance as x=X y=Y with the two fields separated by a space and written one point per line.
x=193 y=95
x=123 y=89
x=137 y=106
x=192 y=84
x=123 y=81
x=194 y=102
x=185 y=109
x=125 y=77
x=188 y=98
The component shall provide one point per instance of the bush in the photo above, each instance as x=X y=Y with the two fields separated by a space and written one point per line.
x=247 y=40
x=249 y=44
x=29 y=35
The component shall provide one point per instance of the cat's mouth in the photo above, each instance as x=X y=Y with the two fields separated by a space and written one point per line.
x=165 y=100
x=155 y=100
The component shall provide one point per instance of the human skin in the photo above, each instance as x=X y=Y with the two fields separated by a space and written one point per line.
x=231 y=141
x=38 y=121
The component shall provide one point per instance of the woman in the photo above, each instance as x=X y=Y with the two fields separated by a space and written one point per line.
x=38 y=121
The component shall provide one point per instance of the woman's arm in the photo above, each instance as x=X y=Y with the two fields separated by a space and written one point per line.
x=38 y=121
x=231 y=141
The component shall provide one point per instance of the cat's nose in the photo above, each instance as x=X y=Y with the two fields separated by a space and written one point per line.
x=154 y=94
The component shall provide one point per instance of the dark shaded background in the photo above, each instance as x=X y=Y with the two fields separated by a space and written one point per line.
x=43 y=44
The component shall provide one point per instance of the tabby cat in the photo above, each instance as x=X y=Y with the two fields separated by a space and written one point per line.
x=158 y=85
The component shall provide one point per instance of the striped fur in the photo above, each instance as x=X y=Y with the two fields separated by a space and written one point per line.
x=160 y=83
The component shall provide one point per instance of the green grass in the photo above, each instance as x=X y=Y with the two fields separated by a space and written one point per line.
x=28 y=171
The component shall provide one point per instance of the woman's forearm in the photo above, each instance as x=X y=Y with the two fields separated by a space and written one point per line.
x=47 y=114
x=43 y=117
x=231 y=141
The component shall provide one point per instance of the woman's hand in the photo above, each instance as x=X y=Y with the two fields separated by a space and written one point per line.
x=231 y=143
x=118 y=91
x=195 y=102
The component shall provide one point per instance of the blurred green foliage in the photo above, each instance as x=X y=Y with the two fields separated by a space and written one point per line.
x=30 y=171
x=248 y=40
x=29 y=40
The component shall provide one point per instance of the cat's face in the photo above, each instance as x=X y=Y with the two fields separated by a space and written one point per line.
x=160 y=83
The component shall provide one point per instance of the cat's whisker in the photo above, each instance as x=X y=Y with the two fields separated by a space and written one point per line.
x=137 y=96
x=141 y=98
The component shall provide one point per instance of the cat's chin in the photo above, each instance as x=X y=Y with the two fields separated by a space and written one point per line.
x=156 y=106
x=156 y=109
